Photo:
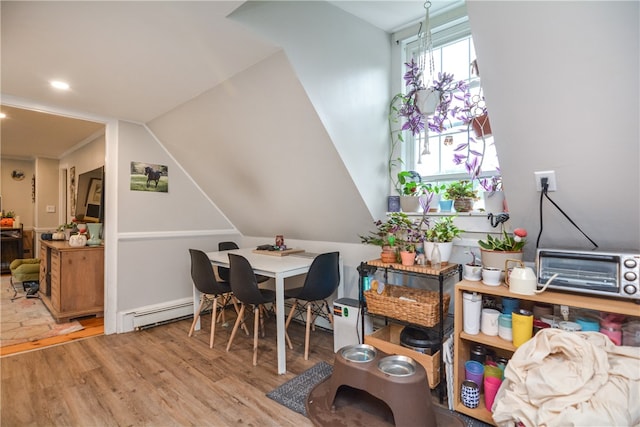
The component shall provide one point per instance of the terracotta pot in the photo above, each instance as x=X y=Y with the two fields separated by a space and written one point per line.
x=481 y=126
x=388 y=256
x=408 y=258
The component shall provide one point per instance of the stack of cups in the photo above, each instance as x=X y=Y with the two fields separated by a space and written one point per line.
x=491 y=386
x=474 y=371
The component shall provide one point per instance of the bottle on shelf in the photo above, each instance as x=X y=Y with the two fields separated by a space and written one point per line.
x=436 y=259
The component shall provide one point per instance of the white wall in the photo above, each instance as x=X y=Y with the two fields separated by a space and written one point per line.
x=155 y=230
x=16 y=195
x=562 y=88
x=344 y=65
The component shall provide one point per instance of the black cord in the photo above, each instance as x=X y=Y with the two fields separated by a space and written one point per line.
x=544 y=193
x=544 y=190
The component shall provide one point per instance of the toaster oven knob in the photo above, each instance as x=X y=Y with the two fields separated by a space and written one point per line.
x=630 y=276
x=630 y=289
x=630 y=263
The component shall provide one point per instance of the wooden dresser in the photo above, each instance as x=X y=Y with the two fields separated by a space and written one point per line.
x=71 y=280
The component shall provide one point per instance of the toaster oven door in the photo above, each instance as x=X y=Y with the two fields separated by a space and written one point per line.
x=588 y=273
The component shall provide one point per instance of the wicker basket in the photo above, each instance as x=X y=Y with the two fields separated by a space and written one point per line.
x=425 y=311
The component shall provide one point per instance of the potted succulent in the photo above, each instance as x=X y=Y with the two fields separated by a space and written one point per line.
x=442 y=234
x=495 y=251
x=462 y=194
x=389 y=234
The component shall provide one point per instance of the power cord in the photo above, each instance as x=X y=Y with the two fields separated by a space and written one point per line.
x=544 y=193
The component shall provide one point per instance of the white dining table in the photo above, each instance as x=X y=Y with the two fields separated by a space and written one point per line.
x=278 y=267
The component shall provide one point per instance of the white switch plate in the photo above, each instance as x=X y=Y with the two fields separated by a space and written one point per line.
x=51 y=208
x=551 y=180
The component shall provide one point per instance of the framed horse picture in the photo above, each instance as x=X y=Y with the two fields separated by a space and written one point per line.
x=149 y=177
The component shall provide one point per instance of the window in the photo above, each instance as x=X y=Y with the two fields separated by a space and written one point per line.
x=432 y=154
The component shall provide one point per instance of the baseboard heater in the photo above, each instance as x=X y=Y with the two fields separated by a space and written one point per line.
x=151 y=316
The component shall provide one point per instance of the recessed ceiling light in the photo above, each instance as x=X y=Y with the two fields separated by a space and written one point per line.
x=60 y=85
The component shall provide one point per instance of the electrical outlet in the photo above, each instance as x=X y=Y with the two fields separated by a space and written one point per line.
x=51 y=209
x=551 y=180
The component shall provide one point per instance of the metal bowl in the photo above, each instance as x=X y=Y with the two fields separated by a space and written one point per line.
x=397 y=366
x=359 y=353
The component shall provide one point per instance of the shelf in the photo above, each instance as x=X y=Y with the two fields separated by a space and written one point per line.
x=464 y=341
x=593 y=302
x=489 y=340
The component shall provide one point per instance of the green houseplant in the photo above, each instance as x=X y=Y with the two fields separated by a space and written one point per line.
x=390 y=235
x=462 y=194
x=442 y=234
x=495 y=251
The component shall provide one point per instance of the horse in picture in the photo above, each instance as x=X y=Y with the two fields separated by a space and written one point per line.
x=152 y=175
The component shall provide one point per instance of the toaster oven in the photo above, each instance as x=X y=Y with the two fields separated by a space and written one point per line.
x=611 y=273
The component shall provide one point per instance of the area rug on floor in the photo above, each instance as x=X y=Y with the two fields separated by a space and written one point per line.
x=27 y=319
x=293 y=394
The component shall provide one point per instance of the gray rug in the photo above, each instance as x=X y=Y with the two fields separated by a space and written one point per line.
x=293 y=394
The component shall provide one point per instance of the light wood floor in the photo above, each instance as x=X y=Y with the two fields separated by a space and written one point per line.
x=155 y=377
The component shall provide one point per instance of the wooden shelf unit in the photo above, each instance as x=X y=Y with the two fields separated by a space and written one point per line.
x=463 y=341
x=71 y=280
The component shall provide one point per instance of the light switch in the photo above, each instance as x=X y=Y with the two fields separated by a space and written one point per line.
x=51 y=208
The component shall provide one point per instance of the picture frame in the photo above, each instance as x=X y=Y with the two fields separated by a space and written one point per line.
x=95 y=192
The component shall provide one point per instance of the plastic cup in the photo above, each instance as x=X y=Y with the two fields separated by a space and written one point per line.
x=493 y=371
x=491 y=387
x=474 y=371
x=509 y=305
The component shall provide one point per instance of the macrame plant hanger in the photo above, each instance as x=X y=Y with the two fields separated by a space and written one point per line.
x=426 y=65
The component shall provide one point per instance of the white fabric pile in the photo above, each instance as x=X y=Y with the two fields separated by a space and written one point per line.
x=563 y=378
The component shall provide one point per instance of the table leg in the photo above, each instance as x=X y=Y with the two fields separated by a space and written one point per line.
x=280 y=327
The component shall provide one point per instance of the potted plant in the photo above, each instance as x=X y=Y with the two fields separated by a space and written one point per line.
x=462 y=194
x=410 y=108
x=411 y=188
x=442 y=234
x=410 y=239
x=433 y=193
x=495 y=251
x=493 y=195
x=388 y=234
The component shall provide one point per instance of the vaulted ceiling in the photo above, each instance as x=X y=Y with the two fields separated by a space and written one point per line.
x=134 y=61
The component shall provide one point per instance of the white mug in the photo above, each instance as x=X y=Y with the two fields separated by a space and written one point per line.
x=489 y=321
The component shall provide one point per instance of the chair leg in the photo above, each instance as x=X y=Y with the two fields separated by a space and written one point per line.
x=235 y=326
x=286 y=325
x=234 y=300
x=256 y=319
x=330 y=315
x=261 y=311
x=213 y=321
x=197 y=315
x=307 y=332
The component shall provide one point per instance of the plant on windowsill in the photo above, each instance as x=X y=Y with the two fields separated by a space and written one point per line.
x=462 y=194
x=411 y=189
x=493 y=195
